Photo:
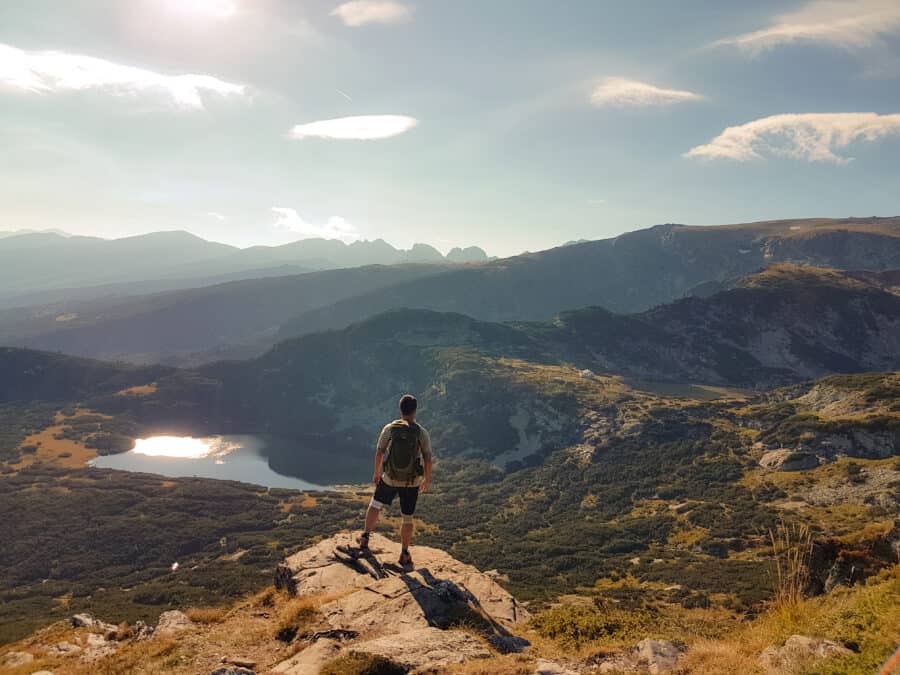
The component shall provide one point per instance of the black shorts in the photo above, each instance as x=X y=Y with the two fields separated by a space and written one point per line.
x=384 y=495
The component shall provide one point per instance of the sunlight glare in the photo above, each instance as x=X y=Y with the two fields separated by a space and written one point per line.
x=182 y=447
x=215 y=9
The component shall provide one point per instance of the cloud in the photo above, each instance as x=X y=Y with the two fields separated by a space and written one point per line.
x=360 y=12
x=364 y=127
x=52 y=71
x=335 y=228
x=620 y=91
x=215 y=214
x=849 y=24
x=813 y=137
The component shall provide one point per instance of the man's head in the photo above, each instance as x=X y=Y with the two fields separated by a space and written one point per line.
x=408 y=405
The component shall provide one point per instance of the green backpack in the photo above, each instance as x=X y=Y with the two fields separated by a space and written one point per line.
x=402 y=462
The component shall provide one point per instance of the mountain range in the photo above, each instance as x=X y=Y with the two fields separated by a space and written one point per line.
x=49 y=266
x=627 y=274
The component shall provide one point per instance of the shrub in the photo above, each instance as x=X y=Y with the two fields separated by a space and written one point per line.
x=357 y=663
x=574 y=625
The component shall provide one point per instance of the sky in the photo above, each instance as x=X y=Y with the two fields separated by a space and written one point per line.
x=509 y=124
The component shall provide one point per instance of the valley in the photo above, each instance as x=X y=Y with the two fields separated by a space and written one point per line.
x=626 y=474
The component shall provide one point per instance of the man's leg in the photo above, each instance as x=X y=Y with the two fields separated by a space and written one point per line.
x=372 y=514
x=408 y=498
x=406 y=530
x=384 y=495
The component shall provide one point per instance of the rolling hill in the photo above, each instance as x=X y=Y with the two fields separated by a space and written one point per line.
x=172 y=326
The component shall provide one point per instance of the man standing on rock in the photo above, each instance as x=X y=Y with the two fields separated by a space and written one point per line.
x=402 y=467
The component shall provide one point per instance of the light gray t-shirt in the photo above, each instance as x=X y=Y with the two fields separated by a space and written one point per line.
x=424 y=447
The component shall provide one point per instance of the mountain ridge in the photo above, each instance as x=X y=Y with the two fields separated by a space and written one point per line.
x=47 y=261
x=626 y=274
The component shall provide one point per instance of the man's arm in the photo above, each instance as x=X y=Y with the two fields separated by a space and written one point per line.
x=426 y=460
x=379 y=460
x=380 y=447
x=423 y=487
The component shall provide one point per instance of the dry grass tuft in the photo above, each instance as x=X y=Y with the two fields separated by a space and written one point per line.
x=714 y=657
x=296 y=616
x=510 y=664
x=141 y=657
x=207 y=614
x=791 y=552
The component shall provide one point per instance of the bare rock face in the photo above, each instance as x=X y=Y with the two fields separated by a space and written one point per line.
x=426 y=647
x=15 y=659
x=437 y=578
x=407 y=616
x=311 y=659
x=797 y=650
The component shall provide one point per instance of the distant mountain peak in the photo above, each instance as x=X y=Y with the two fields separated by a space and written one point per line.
x=467 y=255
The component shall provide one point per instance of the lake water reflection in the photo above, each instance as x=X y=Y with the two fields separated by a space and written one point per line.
x=240 y=458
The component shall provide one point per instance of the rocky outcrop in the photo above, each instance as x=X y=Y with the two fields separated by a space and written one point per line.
x=412 y=617
x=834 y=562
x=798 y=650
x=172 y=622
x=784 y=459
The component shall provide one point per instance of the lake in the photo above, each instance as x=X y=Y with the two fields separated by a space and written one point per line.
x=240 y=458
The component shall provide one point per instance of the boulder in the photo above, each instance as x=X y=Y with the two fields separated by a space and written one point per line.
x=98 y=647
x=85 y=620
x=797 y=650
x=172 y=622
x=311 y=659
x=784 y=459
x=15 y=659
x=647 y=656
x=420 y=647
x=545 y=667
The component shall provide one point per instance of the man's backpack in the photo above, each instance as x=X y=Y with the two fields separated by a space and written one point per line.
x=402 y=462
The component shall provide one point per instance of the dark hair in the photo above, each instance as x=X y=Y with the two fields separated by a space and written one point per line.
x=408 y=404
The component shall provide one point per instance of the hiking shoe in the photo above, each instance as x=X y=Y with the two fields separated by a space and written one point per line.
x=363 y=541
x=405 y=559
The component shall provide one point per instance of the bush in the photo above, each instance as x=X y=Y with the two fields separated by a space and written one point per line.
x=574 y=625
x=357 y=663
